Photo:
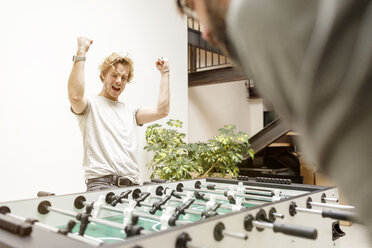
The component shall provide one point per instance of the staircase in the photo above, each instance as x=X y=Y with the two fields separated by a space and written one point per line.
x=276 y=154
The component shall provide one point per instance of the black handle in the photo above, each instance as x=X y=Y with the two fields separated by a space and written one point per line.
x=338 y=215
x=15 y=226
x=298 y=231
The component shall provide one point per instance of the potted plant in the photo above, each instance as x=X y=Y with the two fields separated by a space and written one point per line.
x=174 y=159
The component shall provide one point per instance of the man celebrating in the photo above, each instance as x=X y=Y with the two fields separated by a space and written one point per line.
x=107 y=125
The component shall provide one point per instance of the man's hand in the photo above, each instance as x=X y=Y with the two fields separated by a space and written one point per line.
x=83 y=45
x=162 y=65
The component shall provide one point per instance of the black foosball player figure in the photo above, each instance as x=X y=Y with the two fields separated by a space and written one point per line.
x=211 y=212
x=84 y=219
x=157 y=205
x=200 y=196
x=70 y=225
x=113 y=199
x=133 y=228
x=180 y=210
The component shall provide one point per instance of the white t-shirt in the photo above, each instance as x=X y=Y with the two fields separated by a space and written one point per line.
x=109 y=139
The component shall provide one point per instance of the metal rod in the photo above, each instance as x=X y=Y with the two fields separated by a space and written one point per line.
x=252 y=202
x=307 y=210
x=107 y=223
x=190 y=211
x=261 y=224
x=144 y=215
x=330 y=199
x=235 y=235
x=61 y=211
x=196 y=203
x=327 y=205
x=220 y=192
x=255 y=191
x=208 y=198
x=113 y=209
x=278 y=215
x=246 y=188
x=258 y=189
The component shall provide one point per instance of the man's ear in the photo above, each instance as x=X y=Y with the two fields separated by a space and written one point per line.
x=103 y=76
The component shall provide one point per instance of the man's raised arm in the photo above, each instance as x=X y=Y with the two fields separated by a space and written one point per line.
x=149 y=114
x=76 y=81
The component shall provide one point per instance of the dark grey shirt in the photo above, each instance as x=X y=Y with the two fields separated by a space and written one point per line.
x=312 y=60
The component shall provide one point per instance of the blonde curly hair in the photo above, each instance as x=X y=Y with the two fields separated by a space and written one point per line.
x=112 y=60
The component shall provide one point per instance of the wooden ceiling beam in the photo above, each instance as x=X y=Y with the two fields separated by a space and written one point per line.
x=216 y=76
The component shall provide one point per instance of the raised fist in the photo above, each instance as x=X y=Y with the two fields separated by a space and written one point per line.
x=162 y=64
x=83 y=45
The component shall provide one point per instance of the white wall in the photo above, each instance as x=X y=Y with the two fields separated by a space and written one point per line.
x=256 y=107
x=40 y=142
x=213 y=106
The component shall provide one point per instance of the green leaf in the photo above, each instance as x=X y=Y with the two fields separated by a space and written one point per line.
x=251 y=153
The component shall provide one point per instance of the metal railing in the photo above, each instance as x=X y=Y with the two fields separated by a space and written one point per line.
x=201 y=55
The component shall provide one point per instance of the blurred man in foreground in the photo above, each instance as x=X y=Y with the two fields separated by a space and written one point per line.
x=312 y=61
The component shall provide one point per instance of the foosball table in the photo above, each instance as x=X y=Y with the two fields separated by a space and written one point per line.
x=208 y=213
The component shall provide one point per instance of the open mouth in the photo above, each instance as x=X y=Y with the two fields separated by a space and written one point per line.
x=115 y=89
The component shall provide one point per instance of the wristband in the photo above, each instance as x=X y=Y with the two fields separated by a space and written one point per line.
x=77 y=58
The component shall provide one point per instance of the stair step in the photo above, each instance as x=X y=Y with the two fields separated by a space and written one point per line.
x=291 y=133
x=280 y=145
